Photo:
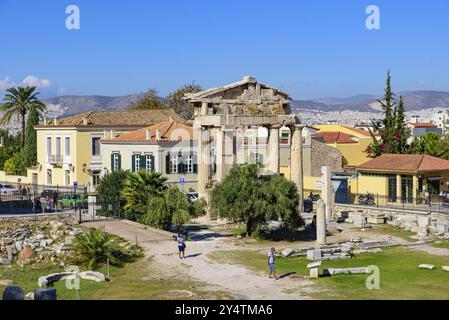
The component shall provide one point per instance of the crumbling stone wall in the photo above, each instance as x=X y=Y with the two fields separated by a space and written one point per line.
x=324 y=155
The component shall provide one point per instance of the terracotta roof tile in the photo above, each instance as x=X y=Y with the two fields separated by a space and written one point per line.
x=116 y=118
x=169 y=130
x=334 y=137
x=405 y=162
x=358 y=131
x=424 y=125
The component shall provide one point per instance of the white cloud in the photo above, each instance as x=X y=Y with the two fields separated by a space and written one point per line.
x=34 y=81
x=6 y=83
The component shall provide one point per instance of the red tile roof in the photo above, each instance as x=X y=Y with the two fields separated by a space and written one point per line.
x=358 y=131
x=334 y=137
x=424 y=125
x=405 y=162
x=169 y=130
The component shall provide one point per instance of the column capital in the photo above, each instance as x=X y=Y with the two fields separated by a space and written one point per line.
x=297 y=127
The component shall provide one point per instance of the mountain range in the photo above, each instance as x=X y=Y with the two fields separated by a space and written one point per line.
x=414 y=100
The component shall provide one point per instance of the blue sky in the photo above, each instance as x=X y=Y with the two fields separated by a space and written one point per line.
x=311 y=49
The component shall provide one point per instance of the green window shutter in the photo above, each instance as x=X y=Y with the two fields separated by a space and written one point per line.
x=152 y=163
x=260 y=158
x=195 y=163
x=167 y=163
x=133 y=163
x=119 y=161
x=143 y=163
x=112 y=162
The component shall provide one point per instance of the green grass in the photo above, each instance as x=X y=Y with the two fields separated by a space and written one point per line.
x=393 y=231
x=400 y=277
x=138 y=280
x=444 y=244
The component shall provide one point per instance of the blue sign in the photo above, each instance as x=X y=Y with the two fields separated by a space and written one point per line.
x=75 y=184
x=182 y=181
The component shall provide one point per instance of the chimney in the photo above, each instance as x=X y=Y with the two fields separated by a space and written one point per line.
x=112 y=134
x=105 y=134
x=55 y=121
x=158 y=134
x=84 y=121
x=45 y=121
x=148 y=134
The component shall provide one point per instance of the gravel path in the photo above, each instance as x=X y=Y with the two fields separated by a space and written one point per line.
x=240 y=281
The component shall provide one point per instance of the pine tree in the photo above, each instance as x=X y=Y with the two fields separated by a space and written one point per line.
x=30 y=149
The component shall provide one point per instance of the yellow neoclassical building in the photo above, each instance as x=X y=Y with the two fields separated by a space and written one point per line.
x=351 y=142
x=68 y=149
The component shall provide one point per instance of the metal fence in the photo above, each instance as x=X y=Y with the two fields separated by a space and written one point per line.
x=26 y=199
x=425 y=203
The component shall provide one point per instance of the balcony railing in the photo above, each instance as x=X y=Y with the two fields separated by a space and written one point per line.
x=55 y=159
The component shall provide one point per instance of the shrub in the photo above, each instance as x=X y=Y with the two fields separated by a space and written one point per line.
x=15 y=165
x=96 y=247
x=109 y=191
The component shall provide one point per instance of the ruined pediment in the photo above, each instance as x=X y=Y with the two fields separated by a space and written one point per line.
x=245 y=97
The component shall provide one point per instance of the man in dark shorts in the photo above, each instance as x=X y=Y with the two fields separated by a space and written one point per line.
x=181 y=246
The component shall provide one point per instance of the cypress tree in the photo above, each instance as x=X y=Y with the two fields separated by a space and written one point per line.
x=30 y=148
x=394 y=133
x=402 y=132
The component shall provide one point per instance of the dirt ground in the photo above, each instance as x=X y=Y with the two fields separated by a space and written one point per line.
x=241 y=282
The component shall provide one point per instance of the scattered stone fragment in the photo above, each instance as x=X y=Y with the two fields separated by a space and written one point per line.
x=427 y=266
x=336 y=271
x=92 y=276
x=287 y=252
x=26 y=254
x=446 y=268
x=6 y=282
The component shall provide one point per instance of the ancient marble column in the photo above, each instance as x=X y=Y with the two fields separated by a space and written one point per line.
x=320 y=223
x=273 y=149
x=326 y=190
x=203 y=135
x=296 y=165
x=219 y=142
x=225 y=151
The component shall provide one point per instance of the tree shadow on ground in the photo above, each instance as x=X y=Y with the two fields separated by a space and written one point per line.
x=207 y=236
x=287 y=235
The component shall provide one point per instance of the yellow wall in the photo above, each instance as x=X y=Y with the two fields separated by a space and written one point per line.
x=353 y=153
x=372 y=184
x=80 y=154
x=28 y=179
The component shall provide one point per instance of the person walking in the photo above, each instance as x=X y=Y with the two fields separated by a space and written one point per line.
x=271 y=263
x=181 y=246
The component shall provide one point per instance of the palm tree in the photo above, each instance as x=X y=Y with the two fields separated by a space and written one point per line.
x=138 y=188
x=18 y=101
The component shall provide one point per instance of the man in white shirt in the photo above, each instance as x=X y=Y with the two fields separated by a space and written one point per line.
x=181 y=246
x=271 y=263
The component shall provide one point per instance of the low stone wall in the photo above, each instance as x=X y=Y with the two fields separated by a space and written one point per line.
x=422 y=223
x=69 y=218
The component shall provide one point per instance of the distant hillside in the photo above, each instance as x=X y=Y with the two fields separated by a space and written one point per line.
x=414 y=100
x=76 y=104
